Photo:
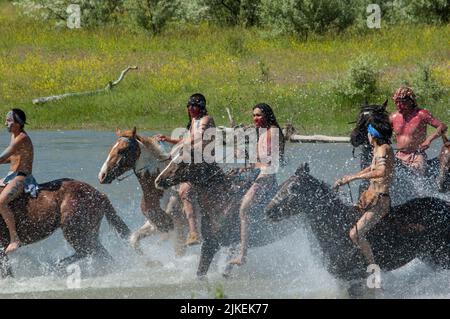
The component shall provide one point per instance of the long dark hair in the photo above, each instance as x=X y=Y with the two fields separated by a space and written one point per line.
x=369 y=113
x=271 y=120
x=199 y=100
x=384 y=128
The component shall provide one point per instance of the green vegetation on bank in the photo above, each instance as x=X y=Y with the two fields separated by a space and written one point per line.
x=308 y=83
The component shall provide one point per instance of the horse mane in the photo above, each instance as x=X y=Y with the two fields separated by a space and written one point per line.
x=149 y=142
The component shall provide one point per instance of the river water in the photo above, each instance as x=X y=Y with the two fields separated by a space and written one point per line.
x=290 y=268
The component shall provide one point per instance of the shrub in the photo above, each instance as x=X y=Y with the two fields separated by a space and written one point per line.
x=303 y=17
x=361 y=80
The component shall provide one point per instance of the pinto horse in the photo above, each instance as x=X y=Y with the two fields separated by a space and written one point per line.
x=403 y=186
x=219 y=196
x=419 y=228
x=146 y=158
x=75 y=207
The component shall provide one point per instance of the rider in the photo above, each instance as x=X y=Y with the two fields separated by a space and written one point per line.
x=19 y=154
x=410 y=127
x=375 y=202
x=265 y=185
x=199 y=121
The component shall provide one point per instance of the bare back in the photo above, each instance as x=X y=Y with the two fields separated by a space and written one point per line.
x=383 y=156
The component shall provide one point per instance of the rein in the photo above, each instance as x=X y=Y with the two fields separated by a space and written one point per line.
x=135 y=172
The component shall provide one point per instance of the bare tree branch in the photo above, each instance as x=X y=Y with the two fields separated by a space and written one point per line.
x=108 y=87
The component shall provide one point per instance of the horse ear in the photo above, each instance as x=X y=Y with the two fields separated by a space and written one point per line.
x=134 y=131
x=302 y=169
x=385 y=104
x=118 y=131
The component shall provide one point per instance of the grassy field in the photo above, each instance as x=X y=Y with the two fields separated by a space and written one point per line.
x=232 y=67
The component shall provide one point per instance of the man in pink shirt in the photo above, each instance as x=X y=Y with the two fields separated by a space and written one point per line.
x=410 y=127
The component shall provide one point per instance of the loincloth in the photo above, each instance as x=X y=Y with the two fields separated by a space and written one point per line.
x=31 y=186
x=370 y=200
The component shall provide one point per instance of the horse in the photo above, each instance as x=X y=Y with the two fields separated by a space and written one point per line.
x=403 y=185
x=146 y=158
x=219 y=199
x=419 y=228
x=75 y=207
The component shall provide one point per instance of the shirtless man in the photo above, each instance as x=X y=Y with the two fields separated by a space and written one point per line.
x=19 y=154
x=375 y=202
x=199 y=121
x=410 y=127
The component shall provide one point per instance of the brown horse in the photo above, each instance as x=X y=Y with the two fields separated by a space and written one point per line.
x=75 y=207
x=146 y=158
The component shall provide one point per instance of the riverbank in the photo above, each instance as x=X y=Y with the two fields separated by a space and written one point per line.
x=233 y=67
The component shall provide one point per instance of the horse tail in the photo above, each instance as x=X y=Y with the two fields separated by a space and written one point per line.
x=115 y=221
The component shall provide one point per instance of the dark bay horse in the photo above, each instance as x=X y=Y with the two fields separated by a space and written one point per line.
x=75 y=207
x=403 y=185
x=420 y=228
x=219 y=199
x=146 y=158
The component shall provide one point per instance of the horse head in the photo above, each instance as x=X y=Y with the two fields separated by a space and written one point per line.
x=366 y=113
x=184 y=167
x=287 y=200
x=131 y=152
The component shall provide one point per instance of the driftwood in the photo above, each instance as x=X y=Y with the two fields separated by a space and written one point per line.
x=289 y=132
x=319 y=139
x=108 y=87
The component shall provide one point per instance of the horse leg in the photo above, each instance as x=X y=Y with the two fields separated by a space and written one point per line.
x=146 y=230
x=174 y=210
x=180 y=238
x=100 y=253
x=63 y=263
x=5 y=266
x=233 y=250
x=209 y=248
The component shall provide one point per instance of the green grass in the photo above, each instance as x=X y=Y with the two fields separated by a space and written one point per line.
x=233 y=67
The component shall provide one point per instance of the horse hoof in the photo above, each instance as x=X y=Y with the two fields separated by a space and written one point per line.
x=202 y=277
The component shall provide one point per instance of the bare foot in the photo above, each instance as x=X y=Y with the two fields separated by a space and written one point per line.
x=192 y=239
x=12 y=247
x=240 y=260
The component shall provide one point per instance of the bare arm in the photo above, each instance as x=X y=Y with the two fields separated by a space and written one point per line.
x=380 y=171
x=440 y=128
x=367 y=173
x=10 y=150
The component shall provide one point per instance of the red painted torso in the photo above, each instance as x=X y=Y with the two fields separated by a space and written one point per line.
x=411 y=129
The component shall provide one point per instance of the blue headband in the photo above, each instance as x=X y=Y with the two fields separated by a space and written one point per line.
x=372 y=131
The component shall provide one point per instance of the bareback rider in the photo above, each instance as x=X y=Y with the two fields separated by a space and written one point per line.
x=19 y=154
x=199 y=122
x=410 y=127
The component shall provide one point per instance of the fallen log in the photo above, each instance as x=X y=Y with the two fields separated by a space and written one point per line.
x=108 y=87
x=318 y=139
